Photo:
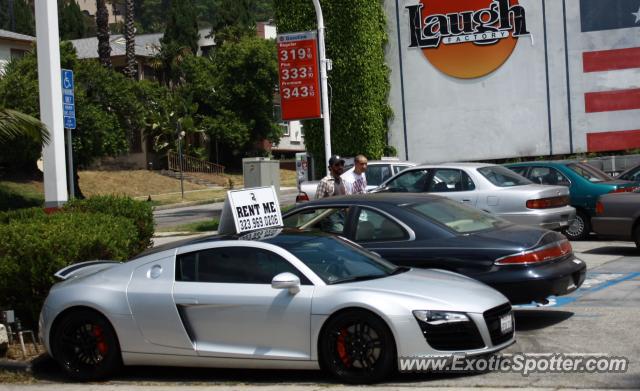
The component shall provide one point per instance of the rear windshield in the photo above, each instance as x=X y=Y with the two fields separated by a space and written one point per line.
x=589 y=173
x=460 y=218
x=503 y=177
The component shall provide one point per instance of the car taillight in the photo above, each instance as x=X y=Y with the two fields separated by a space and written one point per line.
x=302 y=197
x=623 y=189
x=551 y=202
x=599 y=208
x=542 y=254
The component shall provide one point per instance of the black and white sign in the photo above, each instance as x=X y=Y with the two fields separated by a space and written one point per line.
x=252 y=209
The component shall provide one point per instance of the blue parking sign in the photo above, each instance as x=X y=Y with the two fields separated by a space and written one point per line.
x=68 y=99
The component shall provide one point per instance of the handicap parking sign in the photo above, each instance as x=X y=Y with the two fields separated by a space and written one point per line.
x=68 y=99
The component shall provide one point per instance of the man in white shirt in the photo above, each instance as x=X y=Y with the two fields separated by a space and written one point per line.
x=355 y=182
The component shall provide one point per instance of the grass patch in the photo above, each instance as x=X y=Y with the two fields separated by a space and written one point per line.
x=198 y=226
x=133 y=183
x=14 y=195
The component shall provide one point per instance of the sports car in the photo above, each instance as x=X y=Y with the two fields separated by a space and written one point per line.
x=266 y=299
x=423 y=230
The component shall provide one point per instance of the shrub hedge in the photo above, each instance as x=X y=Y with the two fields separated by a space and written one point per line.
x=21 y=214
x=138 y=211
x=33 y=249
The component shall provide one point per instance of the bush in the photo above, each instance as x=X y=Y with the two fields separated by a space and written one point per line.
x=33 y=249
x=12 y=199
x=138 y=211
x=21 y=214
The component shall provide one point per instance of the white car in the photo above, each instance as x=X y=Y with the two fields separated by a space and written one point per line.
x=492 y=188
x=377 y=172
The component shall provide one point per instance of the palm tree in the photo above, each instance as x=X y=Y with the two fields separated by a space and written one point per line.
x=130 y=38
x=16 y=124
x=102 y=25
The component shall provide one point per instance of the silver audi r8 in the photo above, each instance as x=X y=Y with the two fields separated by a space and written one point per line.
x=268 y=299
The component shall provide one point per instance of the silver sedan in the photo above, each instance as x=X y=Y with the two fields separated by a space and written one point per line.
x=269 y=299
x=492 y=188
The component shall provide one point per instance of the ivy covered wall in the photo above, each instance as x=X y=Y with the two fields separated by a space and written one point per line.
x=356 y=36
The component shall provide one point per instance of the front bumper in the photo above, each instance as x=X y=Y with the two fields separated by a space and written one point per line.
x=553 y=218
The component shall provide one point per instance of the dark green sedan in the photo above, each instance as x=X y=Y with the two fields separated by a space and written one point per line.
x=586 y=183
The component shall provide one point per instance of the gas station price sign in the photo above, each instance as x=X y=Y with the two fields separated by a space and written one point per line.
x=299 y=75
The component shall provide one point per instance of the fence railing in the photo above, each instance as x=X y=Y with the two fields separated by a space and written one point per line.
x=193 y=164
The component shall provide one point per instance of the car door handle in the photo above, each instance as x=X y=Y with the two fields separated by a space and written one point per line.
x=187 y=300
x=465 y=201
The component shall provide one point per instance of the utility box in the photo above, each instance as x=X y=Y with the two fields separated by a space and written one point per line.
x=261 y=171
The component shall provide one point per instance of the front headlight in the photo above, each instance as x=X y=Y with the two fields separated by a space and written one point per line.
x=436 y=318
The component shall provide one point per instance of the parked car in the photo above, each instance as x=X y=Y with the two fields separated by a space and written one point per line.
x=491 y=188
x=585 y=183
x=428 y=231
x=632 y=174
x=377 y=172
x=618 y=216
x=267 y=299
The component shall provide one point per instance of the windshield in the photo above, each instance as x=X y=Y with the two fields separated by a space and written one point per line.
x=459 y=218
x=589 y=173
x=503 y=177
x=334 y=259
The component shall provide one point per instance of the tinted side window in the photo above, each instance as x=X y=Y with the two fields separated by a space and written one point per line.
x=376 y=174
x=519 y=170
x=548 y=176
x=330 y=220
x=410 y=181
x=445 y=179
x=239 y=265
x=373 y=226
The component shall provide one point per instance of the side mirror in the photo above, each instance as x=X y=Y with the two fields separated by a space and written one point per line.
x=286 y=281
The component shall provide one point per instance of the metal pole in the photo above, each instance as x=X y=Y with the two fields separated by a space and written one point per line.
x=180 y=157
x=50 y=86
x=324 y=90
x=72 y=189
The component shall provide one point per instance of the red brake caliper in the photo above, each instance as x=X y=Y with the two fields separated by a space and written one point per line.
x=342 y=348
x=100 y=344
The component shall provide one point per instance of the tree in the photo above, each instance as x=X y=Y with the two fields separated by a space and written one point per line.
x=182 y=26
x=15 y=124
x=102 y=25
x=356 y=38
x=23 y=21
x=70 y=20
x=130 y=37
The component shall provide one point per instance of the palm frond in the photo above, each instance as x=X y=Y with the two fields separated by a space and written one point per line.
x=15 y=124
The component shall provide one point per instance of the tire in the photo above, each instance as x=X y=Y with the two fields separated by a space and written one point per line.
x=341 y=353
x=580 y=228
x=636 y=236
x=85 y=345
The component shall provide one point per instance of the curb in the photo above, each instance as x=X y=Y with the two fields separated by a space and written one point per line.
x=22 y=366
x=285 y=190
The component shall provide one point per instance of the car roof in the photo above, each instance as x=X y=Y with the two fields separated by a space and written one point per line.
x=375 y=198
x=547 y=162
x=264 y=235
x=457 y=165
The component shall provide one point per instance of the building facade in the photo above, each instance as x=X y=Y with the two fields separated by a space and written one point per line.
x=13 y=45
x=493 y=79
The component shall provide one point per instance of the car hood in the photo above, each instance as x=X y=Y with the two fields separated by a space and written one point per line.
x=439 y=289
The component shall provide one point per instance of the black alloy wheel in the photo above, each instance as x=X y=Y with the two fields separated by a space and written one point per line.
x=357 y=347
x=579 y=228
x=85 y=345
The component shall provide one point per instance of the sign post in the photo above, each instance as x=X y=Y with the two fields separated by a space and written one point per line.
x=249 y=210
x=69 y=115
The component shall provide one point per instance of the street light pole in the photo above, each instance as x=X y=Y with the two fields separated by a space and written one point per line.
x=324 y=90
x=50 y=86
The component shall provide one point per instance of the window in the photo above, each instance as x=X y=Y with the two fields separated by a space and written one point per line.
x=330 y=220
x=411 y=181
x=239 y=265
x=445 y=179
x=455 y=216
x=548 y=176
x=376 y=174
x=17 y=53
x=373 y=226
x=520 y=170
x=503 y=177
x=589 y=173
x=397 y=169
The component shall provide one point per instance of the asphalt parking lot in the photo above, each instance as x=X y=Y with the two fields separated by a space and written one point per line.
x=602 y=317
